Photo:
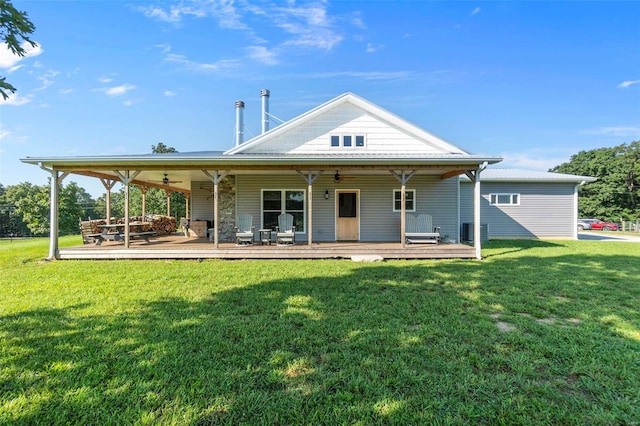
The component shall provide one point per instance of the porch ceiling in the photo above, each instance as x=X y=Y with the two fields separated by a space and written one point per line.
x=183 y=168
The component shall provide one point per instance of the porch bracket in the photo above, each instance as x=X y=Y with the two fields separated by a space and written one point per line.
x=216 y=177
x=310 y=177
x=403 y=177
x=56 y=180
x=108 y=186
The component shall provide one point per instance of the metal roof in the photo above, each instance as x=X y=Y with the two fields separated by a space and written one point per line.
x=522 y=175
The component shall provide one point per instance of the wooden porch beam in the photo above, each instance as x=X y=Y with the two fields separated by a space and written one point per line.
x=139 y=183
x=452 y=173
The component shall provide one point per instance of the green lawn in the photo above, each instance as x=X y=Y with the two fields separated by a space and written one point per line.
x=537 y=333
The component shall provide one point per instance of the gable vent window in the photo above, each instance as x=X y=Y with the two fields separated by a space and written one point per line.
x=504 y=199
x=348 y=141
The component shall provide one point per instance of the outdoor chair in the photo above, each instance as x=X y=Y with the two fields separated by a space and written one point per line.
x=420 y=229
x=244 y=229
x=285 y=231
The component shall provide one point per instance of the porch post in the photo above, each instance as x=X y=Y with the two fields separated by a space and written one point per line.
x=215 y=178
x=310 y=236
x=126 y=210
x=143 y=190
x=216 y=212
x=403 y=178
x=56 y=179
x=108 y=185
x=403 y=212
x=310 y=178
x=126 y=178
x=476 y=216
x=474 y=176
x=168 y=194
x=186 y=204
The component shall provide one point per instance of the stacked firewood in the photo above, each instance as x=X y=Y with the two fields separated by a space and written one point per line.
x=155 y=222
x=162 y=224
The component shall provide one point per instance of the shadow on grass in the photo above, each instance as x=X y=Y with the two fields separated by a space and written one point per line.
x=392 y=343
x=508 y=246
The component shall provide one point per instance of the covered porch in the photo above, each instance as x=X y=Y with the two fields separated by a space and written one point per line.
x=177 y=246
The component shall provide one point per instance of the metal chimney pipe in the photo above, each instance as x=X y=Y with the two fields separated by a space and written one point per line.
x=265 y=110
x=239 y=122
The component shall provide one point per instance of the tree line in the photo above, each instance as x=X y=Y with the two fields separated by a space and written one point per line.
x=614 y=196
x=25 y=208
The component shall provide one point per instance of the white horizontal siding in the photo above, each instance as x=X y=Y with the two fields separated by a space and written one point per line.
x=314 y=137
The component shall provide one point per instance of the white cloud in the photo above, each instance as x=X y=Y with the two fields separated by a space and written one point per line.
x=15 y=99
x=222 y=64
x=533 y=160
x=616 y=131
x=105 y=80
x=47 y=79
x=628 y=83
x=117 y=90
x=309 y=27
x=262 y=54
x=65 y=91
x=371 y=75
x=169 y=93
x=4 y=133
x=372 y=49
x=9 y=60
x=475 y=11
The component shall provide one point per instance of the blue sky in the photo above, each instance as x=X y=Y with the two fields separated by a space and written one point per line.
x=533 y=82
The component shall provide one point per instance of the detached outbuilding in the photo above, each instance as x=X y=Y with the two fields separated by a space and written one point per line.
x=518 y=203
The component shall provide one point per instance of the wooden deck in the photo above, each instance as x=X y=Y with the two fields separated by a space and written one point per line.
x=178 y=246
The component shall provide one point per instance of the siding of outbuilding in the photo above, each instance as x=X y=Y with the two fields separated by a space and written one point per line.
x=546 y=210
x=378 y=221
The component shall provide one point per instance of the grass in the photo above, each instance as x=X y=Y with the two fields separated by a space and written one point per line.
x=537 y=333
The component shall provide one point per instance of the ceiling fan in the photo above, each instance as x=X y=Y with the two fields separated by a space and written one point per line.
x=166 y=181
x=337 y=178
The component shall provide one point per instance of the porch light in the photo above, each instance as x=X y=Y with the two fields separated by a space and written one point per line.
x=326 y=194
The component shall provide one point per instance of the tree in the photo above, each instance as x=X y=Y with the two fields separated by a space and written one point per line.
x=615 y=194
x=15 y=28
x=10 y=220
x=162 y=149
x=31 y=204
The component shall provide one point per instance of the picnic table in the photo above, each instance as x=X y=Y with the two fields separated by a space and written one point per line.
x=115 y=232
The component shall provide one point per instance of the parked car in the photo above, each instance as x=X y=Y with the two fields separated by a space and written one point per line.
x=597 y=224
x=583 y=224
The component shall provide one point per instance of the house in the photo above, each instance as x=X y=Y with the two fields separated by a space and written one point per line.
x=346 y=170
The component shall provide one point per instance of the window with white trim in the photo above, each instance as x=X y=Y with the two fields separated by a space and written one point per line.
x=277 y=201
x=348 y=141
x=504 y=199
x=409 y=200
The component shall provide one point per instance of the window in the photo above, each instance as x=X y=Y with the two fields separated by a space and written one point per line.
x=347 y=141
x=409 y=200
x=504 y=199
x=275 y=202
